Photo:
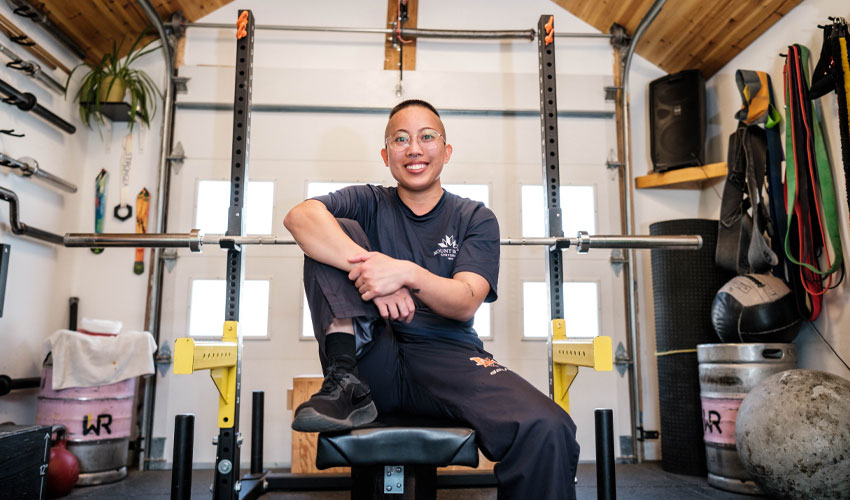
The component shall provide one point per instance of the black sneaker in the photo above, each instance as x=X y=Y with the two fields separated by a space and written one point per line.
x=344 y=402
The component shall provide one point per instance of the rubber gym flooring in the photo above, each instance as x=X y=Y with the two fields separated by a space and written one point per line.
x=645 y=481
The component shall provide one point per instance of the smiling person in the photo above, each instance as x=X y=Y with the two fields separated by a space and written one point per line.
x=393 y=278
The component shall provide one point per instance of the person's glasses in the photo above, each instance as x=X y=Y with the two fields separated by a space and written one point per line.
x=428 y=139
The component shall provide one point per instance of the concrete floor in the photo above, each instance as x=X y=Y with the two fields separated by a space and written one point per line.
x=646 y=481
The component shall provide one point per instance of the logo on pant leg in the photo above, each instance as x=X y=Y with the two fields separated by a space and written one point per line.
x=489 y=363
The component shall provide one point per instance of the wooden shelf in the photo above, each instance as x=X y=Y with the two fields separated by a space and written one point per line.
x=683 y=178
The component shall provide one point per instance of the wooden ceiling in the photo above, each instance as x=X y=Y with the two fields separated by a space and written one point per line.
x=95 y=24
x=687 y=34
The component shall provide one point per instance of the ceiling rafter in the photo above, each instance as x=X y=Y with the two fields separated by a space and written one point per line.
x=687 y=34
x=95 y=24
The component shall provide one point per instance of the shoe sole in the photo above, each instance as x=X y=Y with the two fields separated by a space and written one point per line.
x=309 y=420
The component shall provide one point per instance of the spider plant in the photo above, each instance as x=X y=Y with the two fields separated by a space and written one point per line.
x=113 y=77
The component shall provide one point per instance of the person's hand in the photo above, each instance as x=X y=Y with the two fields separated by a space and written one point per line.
x=397 y=306
x=377 y=275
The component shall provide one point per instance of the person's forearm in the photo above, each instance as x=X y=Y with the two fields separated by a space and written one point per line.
x=319 y=235
x=449 y=297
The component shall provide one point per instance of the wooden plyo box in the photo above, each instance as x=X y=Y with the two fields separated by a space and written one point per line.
x=304 y=443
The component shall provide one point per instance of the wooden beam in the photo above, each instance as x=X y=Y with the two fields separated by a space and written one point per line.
x=95 y=24
x=391 y=53
x=687 y=34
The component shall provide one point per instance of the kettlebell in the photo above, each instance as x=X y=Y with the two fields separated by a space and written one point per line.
x=63 y=469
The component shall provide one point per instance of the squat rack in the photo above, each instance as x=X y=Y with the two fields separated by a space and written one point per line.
x=623 y=43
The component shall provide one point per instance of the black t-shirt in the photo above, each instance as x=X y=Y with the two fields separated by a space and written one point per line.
x=458 y=234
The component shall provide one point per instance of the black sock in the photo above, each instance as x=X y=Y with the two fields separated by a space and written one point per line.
x=340 y=350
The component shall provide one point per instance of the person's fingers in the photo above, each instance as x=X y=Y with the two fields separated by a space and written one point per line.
x=361 y=257
x=354 y=273
x=402 y=309
x=411 y=307
x=382 y=309
x=394 y=312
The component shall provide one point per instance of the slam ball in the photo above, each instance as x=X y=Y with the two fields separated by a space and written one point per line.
x=793 y=435
x=755 y=308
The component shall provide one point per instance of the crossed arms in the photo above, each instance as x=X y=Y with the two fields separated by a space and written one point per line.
x=378 y=277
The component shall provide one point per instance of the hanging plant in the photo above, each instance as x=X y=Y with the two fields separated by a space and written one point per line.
x=113 y=78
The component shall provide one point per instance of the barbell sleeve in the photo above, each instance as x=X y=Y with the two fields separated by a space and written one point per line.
x=192 y=240
x=585 y=242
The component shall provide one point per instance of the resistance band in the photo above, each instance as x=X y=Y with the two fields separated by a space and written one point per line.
x=99 y=203
x=832 y=73
x=143 y=201
x=811 y=214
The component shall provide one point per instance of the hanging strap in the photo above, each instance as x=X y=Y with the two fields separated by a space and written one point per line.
x=123 y=210
x=785 y=270
x=735 y=226
x=741 y=244
x=832 y=73
x=843 y=91
x=775 y=189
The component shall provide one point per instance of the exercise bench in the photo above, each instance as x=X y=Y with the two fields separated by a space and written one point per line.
x=397 y=456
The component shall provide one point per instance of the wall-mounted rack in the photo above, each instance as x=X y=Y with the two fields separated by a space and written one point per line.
x=32 y=69
x=28 y=167
x=28 y=102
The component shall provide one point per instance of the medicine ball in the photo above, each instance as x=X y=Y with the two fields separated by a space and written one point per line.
x=755 y=308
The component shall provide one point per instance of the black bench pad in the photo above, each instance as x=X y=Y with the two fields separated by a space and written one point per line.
x=382 y=444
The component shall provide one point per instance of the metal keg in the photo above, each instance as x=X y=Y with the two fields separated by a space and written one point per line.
x=98 y=422
x=727 y=372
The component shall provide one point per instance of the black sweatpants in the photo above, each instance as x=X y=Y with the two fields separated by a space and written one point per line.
x=530 y=436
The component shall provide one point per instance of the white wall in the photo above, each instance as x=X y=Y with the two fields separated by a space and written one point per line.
x=42 y=276
x=39 y=279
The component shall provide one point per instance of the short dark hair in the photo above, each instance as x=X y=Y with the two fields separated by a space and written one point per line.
x=413 y=102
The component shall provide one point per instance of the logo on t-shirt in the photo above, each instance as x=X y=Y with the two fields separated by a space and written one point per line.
x=447 y=248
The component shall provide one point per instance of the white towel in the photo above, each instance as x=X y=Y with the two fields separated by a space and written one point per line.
x=81 y=360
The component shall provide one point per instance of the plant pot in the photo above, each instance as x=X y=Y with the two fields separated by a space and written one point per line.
x=111 y=89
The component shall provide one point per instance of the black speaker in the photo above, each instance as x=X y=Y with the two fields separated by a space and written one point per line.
x=677 y=120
